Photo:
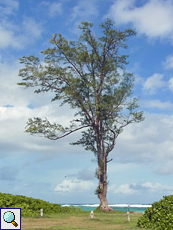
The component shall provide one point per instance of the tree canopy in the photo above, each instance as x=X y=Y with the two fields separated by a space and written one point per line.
x=95 y=82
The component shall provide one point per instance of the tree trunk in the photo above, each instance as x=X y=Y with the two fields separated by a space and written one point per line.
x=104 y=203
x=103 y=190
x=102 y=171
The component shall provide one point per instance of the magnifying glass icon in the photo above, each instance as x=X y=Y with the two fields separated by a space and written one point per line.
x=9 y=218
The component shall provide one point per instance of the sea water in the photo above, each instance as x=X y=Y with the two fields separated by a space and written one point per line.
x=119 y=207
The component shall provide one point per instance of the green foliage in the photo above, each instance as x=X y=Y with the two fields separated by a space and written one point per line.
x=98 y=191
x=97 y=173
x=159 y=216
x=88 y=81
x=98 y=209
x=94 y=91
x=30 y=207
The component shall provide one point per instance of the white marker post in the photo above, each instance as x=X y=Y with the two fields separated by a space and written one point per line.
x=41 y=212
x=91 y=214
x=128 y=214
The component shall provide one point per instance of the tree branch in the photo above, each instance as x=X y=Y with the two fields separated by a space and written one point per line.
x=68 y=133
x=109 y=161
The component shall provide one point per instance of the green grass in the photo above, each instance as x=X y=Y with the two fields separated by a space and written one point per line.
x=80 y=220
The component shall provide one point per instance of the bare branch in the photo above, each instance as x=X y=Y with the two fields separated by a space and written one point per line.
x=109 y=160
x=67 y=133
x=79 y=100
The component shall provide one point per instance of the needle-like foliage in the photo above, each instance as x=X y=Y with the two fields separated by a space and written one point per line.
x=91 y=82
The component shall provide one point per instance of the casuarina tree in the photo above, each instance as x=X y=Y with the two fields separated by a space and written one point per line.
x=94 y=82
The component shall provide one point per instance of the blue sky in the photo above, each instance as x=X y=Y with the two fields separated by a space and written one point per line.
x=142 y=166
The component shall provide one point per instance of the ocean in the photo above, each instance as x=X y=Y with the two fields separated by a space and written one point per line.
x=119 y=207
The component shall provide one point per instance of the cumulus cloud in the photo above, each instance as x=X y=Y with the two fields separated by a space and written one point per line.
x=138 y=188
x=15 y=35
x=157 y=104
x=154 y=18
x=75 y=185
x=150 y=86
x=154 y=82
x=18 y=37
x=122 y=189
x=150 y=141
x=15 y=116
x=138 y=137
x=154 y=187
x=8 y=37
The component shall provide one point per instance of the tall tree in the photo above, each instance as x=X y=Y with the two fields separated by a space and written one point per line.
x=90 y=84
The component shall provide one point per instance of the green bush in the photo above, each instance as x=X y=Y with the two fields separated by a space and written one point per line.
x=30 y=207
x=159 y=216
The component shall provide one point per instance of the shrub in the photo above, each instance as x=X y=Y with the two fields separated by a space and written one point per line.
x=30 y=207
x=159 y=216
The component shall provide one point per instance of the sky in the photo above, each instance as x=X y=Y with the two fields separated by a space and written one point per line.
x=142 y=168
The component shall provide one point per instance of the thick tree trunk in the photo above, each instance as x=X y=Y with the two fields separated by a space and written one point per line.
x=102 y=195
x=104 y=204
x=102 y=170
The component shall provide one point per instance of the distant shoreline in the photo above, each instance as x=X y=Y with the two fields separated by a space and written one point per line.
x=136 y=208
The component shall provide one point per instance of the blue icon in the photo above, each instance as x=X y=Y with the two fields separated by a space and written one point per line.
x=9 y=217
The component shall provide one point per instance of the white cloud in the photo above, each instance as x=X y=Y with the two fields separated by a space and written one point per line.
x=8 y=7
x=15 y=118
x=138 y=78
x=154 y=82
x=32 y=28
x=157 y=104
x=9 y=73
x=157 y=187
x=84 y=8
x=55 y=8
x=146 y=142
x=75 y=186
x=165 y=169
x=83 y=11
x=19 y=36
x=85 y=174
x=139 y=188
x=154 y=18
x=151 y=142
x=122 y=189
x=8 y=37
x=151 y=85
x=171 y=84
x=168 y=64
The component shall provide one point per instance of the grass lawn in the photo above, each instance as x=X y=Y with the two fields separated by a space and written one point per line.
x=81 y=220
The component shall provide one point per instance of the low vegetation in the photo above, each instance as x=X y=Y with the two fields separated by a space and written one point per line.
x=30 y=207
x=56 y=217
x=159 y=216
x=81 y=220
